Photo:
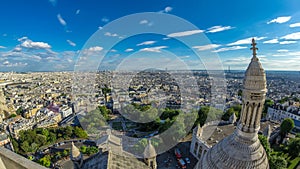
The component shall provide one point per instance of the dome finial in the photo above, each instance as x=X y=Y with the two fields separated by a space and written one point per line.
x=254 y=49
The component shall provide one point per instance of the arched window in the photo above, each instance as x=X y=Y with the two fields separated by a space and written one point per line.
x=200 y=152
x=196 y=147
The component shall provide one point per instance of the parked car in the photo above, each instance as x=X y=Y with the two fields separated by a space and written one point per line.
x=181 y=163
x=178 y=153
x=187 y=160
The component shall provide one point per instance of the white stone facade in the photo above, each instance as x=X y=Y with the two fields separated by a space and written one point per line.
x=242 y=149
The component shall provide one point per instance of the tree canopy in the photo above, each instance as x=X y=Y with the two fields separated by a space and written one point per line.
x=294 y=147
x=286 y=126
x=234 y=109
x=206 y=114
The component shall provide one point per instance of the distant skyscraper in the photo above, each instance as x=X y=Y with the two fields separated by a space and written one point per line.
x=242 y=149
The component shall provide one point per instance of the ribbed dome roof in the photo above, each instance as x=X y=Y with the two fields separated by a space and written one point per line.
x=255 y=77
x=255 y=68
x=242 y=149
x=149 y=151
x=75 y=151
x=235 y=153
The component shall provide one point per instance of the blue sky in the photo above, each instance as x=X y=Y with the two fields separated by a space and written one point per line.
x=48 y=35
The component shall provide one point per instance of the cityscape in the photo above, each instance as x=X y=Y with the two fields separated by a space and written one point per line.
x=156 y=85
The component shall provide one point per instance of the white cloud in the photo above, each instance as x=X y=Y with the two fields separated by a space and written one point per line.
x=245 y=41
x=111 y=34
x=287 y=53
x=154 y=49
x=17 y=49
x=281 y=19
x=185 y=33
x=184 y=57
x=168 y=9
x=218 y=28
x=2 y=47
x=5 y=62
x=35 y=57
x=230 y=48
x=18 y=64
x=61 y=20
x=27 y=43
x=95 y=49
x=295 y=25
x=22 y=39
x=77 y=11
x=18 y=55
x=105 y=19
x=144 y=21
x=206 y=47
x=71 y=43
x=282 y=50
x=287 y=42
x=129 y=50
x=271 y=41
x=146 y=43
x=292 y=36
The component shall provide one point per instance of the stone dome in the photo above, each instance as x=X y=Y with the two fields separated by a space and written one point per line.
x=234 y=152
x=242 y=149
x=75 y=153
x=149 y=151
x=255 y=77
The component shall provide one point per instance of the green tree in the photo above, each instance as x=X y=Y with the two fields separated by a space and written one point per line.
x=240 y=92
x=105 y=91
x=31 y=158
x=65 y=152
x=207 y=114
x=284 y=100
x=277 y=162
x=40 y=139
x=83 y=149
x=169 y=113
x=294 y=147
x=45 y=132
x=12 y=115
x=19 y=111
x=227 y=115
x=68 y=131
x=52 y=137
x=45 y=161
x=15 y=145
x=58 y=155
x=91 y=150
x=79 y=132
x=286 y=126
x=265 y=143
x=25 y=146
x=104 y=112
x=268 y=103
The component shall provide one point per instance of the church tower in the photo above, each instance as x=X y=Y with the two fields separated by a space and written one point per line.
x=76 y=157
x=150 y=155
x=242 y=149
